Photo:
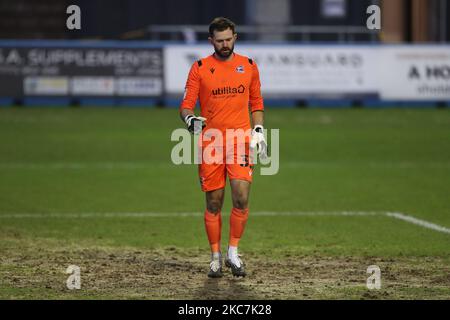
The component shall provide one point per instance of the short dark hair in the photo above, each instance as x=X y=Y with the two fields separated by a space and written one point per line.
x=221 y=24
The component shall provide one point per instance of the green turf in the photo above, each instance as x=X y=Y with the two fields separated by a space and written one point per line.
x=367 y=236
x=94 y=160
x=118 y=160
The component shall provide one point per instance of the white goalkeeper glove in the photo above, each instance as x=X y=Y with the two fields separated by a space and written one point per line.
x=195 y=124
x=259 y=142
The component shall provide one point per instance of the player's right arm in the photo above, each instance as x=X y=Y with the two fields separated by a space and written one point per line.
x=191 y=92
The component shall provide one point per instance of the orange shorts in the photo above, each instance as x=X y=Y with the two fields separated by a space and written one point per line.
x=235 y=163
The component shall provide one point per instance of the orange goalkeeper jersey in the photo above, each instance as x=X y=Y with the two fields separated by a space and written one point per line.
x=226 y=89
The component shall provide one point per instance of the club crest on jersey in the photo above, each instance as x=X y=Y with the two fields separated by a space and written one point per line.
x=240 y=69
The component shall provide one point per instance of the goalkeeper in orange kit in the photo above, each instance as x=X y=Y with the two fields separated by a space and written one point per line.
x=228 y=87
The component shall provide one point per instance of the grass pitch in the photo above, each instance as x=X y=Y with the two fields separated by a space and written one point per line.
x=72 y=181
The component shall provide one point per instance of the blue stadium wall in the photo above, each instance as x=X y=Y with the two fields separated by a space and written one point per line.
x=143 y=73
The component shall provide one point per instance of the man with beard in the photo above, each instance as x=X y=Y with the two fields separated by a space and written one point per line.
x=228 y=87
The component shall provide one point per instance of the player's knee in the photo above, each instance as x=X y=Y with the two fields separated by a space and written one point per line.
x=214 y=206
x=240 y=203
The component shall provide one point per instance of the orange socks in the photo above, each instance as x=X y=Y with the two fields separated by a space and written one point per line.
x=213 y=225
x=238 y=219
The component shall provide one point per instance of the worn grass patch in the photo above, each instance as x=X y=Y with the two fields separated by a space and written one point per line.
x=171 y=273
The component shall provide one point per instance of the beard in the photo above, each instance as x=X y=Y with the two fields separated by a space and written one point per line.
x=224 y=52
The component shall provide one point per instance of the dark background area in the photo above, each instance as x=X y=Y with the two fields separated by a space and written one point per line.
x=406 y=20
x=45 y=19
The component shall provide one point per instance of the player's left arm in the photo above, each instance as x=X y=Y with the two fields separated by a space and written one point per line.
x=256 y=99
x=257 y=110
x=258 y=118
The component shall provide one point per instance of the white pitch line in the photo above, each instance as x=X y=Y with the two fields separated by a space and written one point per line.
x=84 y=165
x=316 y=213
x=419 y=222
x=99 y=215
x=131 y=165
x=395 y=215
x=178 y=214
